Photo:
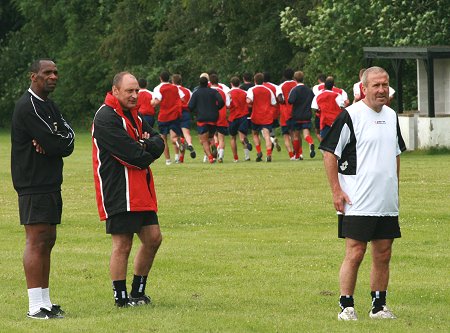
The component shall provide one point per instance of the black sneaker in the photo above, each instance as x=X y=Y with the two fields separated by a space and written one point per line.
x=269 y=159
x=191 y=149
x=44 y=314
x=258 y=157
x=142 y=300
x=312 y=152
x=248 y=145
x=125 y=304
x=56 y=309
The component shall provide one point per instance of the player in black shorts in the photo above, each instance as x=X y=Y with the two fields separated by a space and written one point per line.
x=362 y=159
x=126 y=197
x=40 y=139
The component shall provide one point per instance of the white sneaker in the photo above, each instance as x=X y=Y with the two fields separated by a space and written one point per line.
x=168 y=162
x=383 y=314
x=348 y=314
x=205 y=159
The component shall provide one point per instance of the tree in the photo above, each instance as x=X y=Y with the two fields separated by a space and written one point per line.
x=338 y=30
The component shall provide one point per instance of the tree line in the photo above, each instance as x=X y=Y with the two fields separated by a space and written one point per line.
x=92 y=40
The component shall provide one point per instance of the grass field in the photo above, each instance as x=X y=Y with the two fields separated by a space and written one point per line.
x=248 y=247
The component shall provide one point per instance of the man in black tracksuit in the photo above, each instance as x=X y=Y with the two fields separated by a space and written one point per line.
x=206 y=103
x=40 y=138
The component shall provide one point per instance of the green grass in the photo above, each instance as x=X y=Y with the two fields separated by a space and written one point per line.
x=248 y=247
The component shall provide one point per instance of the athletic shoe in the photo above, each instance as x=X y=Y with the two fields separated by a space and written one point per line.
x=191 y=149
x=44 y=314
x=277 y=146
x=220 y=160
x=247 y=159
x=258 y=157
x=269 y=159
x=56 y=309
x=348 y=314
x=312 y=152
x=138 y=301
x=248 y=145
x=382 y=314
x=300 y=158
x=235 y=161
x=293 y=158
x=168 y=162
x=205 y=159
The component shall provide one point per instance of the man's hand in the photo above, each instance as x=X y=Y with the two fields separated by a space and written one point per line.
x=339 y=200
x=38 y=147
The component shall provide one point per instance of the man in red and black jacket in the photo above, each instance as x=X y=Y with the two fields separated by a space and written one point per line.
x=123 y=148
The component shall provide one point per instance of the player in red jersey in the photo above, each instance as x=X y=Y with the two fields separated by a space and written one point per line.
x=330 y=104
x=286 y=110
x=238 y=123
x=168 y=97
x=186 y=140
x=222 y=122
x=144 y=103
x=261 y=99
x=275 y=109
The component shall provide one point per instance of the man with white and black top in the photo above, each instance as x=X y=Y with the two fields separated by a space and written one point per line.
x=40 y=138
x=361 y=156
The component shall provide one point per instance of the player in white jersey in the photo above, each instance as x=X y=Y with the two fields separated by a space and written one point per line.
x=361 y=156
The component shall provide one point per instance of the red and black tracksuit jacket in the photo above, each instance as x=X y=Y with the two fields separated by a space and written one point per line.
x=122 y=176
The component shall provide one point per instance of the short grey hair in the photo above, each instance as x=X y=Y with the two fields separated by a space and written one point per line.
x=372 y=70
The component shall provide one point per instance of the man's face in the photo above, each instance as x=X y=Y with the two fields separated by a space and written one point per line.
x=377 y=90
x=45 y=79
x=127 y=91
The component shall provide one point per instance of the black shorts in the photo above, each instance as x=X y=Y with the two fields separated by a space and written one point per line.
x=40 y=208
x=130 y=222
x=367 y=228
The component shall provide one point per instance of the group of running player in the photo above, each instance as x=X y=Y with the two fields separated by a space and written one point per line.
x=253 y=105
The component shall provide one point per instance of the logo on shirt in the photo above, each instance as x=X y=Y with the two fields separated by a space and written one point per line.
x=344 y=166
x=380 y=122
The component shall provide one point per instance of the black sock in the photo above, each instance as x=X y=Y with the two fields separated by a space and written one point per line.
x=346 y=301
x=138 y=286
x=120 y=292
x=378 y=300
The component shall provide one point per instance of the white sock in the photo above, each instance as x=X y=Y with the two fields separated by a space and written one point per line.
x=177 y=157
x=272 y=139
x=246 y=153
x=35 y=302
x=221 y=152
x=46 y=298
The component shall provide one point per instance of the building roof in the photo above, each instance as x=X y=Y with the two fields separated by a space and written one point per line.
x=407 y=52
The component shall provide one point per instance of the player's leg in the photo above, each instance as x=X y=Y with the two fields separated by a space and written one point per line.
x=175 y=139
x=266 y=134
x=151 y=238
x=40 y=239
x=354 y=254
x=257 y=142
x=309 y=139
x=379 y=278
x=297 y=144
x=234 y=148
x=121 y=247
